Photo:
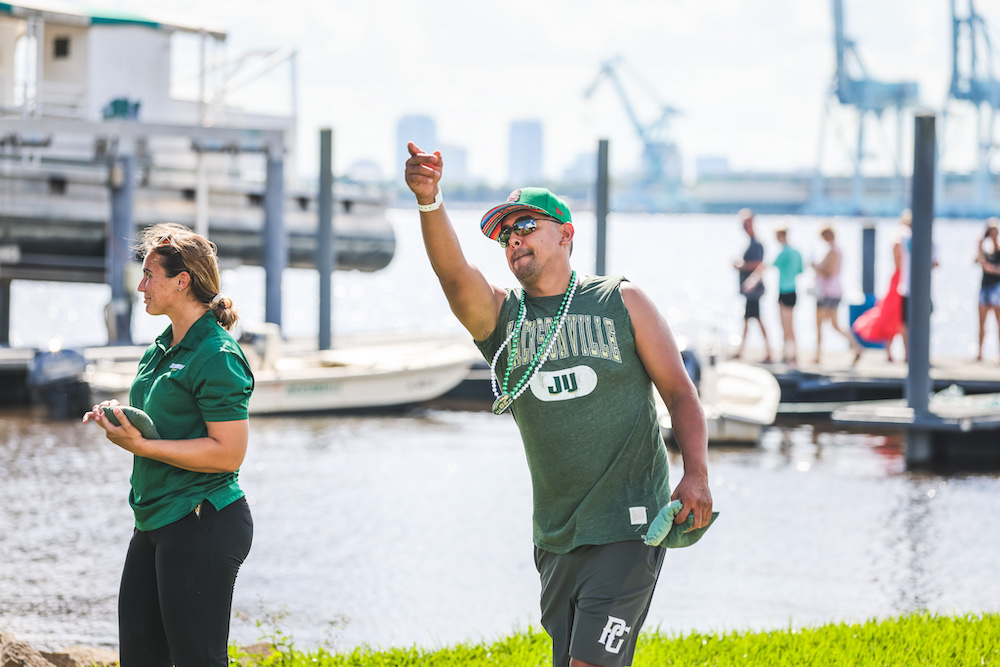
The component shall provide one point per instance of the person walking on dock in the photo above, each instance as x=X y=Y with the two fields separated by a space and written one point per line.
x=751 y=285
x=789 y=265
x=829 y=293
x=193 y=527
x=575 y=360
x=988 y=258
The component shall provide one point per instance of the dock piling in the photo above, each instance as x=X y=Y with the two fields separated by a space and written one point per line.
x=325 y=258
x=275 y=243
x=5 y=311
x=868 y=260
x=601 y=210
x=918 y=384
x=118 y=253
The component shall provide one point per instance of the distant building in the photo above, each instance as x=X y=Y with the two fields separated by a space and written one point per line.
x=525 y=164
x=421 y=130
x=711 y=165
x=365 y=171
x=457 y=170
x=582 y=170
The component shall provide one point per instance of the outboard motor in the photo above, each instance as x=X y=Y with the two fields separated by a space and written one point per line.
x=56 y=379
x=692 y=365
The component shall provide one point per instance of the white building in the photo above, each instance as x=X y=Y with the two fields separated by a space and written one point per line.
x=421 y=130
x=525 y=161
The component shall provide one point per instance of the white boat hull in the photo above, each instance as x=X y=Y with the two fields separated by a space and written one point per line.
x=738 y=399
x=398 y=379
x=373 y=376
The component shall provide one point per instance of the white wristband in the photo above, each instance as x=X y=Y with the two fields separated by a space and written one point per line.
x=438 y=200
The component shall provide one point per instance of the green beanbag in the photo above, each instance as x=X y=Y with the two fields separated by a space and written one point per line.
x=663 y=532
x=137 y=417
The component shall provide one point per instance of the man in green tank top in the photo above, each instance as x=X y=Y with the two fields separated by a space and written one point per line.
x=576 y=359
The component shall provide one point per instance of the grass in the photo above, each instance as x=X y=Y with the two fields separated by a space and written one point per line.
x=918 y=639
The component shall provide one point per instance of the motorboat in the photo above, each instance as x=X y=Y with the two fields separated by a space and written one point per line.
x=382 y=373
x=738 y=399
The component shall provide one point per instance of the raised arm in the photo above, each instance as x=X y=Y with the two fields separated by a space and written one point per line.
x=475 y=302
x=659 y=355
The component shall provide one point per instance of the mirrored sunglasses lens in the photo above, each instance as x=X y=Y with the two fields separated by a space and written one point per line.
x=521 y=228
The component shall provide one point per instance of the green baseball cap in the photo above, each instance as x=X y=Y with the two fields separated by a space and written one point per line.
x=530 y=199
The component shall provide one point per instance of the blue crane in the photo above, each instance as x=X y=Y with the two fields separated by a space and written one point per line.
x=852 y=87
x=973 y=80
x=660 y=160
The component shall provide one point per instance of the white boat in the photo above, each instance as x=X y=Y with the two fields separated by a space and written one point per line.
x=739 y=399
x=380 y=374
x=951 y=407
x=81 y=91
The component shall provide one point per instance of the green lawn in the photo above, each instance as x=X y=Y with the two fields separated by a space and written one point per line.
x=914 y=639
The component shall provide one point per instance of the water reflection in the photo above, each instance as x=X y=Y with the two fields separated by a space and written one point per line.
x=416 y=529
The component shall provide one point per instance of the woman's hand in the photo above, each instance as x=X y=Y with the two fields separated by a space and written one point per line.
x=97 y=412
x=125 y=436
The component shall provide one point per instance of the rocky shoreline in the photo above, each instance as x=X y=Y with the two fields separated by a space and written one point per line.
x=17 y=653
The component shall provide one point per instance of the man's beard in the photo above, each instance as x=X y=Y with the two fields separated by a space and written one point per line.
x=524 y=270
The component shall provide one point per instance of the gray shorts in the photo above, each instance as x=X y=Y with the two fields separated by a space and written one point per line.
x=595 y=599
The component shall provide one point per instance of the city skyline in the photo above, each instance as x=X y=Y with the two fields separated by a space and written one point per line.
x=749 y=79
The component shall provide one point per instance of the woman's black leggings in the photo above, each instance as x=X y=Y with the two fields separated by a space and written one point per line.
x=177 y=589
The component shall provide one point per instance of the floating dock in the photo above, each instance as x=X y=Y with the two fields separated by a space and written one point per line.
x=815 y=391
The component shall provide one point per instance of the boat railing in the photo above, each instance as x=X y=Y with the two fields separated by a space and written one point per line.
x=52 y=98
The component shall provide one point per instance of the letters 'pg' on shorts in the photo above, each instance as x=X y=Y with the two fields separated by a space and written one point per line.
x=595 y=599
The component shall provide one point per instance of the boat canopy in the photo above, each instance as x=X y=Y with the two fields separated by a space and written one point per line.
x=64 y=14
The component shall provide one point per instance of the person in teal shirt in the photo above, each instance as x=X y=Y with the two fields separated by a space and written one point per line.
x=789 y=265
x=193 y=527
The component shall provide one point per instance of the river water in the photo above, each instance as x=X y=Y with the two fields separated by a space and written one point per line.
x=415 y=528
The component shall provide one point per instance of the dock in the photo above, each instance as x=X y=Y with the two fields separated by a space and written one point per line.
x=811 y=391
x=808 y=391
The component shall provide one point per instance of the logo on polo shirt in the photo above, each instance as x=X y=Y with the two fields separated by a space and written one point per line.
x=176 y=367
x=613 y=634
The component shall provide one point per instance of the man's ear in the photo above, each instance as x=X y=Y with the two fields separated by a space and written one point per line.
x=567 y=231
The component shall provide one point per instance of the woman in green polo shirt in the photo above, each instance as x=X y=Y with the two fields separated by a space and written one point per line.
x=192 y=524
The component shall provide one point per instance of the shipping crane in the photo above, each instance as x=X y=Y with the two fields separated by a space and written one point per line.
x=660 y=158
x=974 y=80
x=852 y=87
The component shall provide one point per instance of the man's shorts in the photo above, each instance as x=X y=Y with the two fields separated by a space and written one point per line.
x=990 y=296
x=753 y=308
x=787 y=299
x=595 y=599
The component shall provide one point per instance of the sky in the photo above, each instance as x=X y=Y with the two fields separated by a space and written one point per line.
x=749 y=77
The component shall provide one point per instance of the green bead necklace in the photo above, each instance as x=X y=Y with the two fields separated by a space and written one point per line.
x=506 y=399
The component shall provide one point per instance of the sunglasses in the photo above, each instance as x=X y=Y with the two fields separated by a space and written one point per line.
x=522 y=227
